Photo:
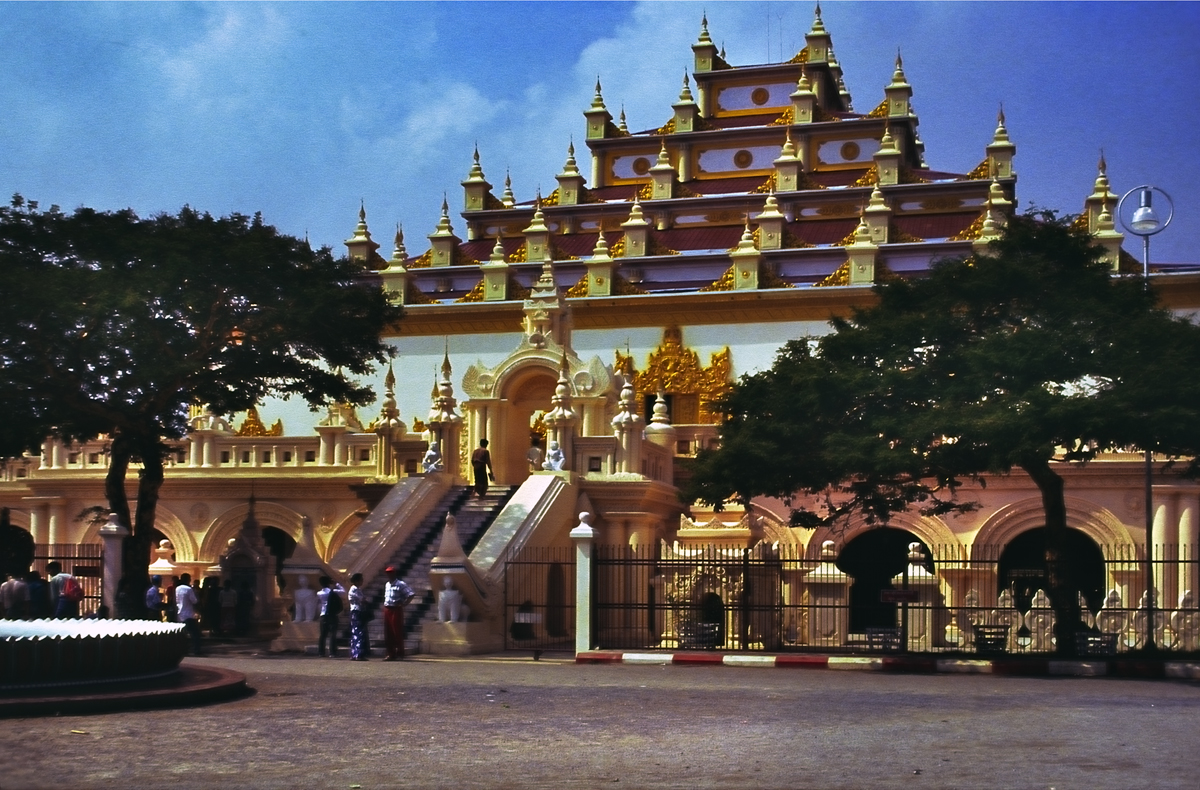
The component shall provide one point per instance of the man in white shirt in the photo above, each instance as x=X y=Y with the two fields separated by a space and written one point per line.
x=331 y=604
x=186 y=602
x=396 y=593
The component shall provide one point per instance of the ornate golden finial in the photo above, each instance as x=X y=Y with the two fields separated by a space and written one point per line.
x=389 y=381
x=1103 y=166
x=446 y=370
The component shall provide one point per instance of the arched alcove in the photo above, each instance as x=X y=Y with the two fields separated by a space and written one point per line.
x=872 y=558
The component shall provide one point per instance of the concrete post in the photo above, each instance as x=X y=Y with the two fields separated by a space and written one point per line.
x=113 y=534
x=584 y=536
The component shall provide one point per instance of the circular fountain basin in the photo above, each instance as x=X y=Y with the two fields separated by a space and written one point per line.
x=37 y=653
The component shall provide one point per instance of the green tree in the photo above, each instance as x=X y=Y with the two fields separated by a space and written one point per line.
x=112 y=324
x=1028 y=356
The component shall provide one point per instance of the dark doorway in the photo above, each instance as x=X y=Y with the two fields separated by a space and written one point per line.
x=872 y=559
x=1022 y=567
x=281 y=546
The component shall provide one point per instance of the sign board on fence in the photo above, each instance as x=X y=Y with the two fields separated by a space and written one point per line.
x=899 y=596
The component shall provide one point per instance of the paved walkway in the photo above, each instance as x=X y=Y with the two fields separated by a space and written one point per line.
x=510 y=722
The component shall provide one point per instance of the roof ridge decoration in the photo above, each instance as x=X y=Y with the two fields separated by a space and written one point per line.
x=841 y=275
x=253 y=425
x=675 y=369
x=621 y=287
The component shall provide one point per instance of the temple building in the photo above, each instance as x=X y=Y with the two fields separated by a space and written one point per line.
x=585 y=334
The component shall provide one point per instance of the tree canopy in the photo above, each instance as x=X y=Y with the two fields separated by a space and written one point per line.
x=1026 y=356
x=112 y=324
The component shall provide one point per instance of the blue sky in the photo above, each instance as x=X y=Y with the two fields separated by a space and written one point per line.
x=301 y=110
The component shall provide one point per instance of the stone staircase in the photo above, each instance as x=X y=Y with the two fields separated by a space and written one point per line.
x=412 y=559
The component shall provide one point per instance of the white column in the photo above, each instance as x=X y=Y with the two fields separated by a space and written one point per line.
x=584 y=536
x=1189 y=536
x=37 y=523
x=1162 y=534
x=58 y=529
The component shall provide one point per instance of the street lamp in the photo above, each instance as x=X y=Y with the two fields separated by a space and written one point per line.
x=1145 y=221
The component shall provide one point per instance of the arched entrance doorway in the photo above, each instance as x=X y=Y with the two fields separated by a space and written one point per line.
x=872 y=559
x=526 y=397
x=1022 y=567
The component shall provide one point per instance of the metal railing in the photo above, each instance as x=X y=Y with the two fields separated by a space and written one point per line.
x=539 y=599
x=940 y=599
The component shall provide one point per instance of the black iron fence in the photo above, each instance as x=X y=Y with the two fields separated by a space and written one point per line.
x=85 y=562
x=939 y=599
x=539 y=599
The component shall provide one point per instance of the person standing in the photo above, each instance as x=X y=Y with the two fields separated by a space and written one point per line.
x=14 y=595
x=65 y=592
x=187 y=603
x=154 y=604
x=360 y=644
x=39 y=596
x=481 y=467
x=396 y=594
x=330 y=596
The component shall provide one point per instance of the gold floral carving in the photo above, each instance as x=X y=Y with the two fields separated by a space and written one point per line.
x=422 y=261
x=724 y=283
x=646 y=192
x=879 y=112
x=620 y=287
x=666 y=128
x=253 y=426
x=617 y=250
x=869 y=178
x=518 y=255
x=838 y=210
x=765 y=187
x=800 y=57
x=579 y=289
x=944 y=203
x=786 y=118
x=674 y=369
x=551 y=199
x=419 y=425
x=840 y=276
x=982 y=170
x=492 y=203
x=474 y=295
x=972 y=231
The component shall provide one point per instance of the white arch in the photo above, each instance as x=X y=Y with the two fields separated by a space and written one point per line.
x=227 y=525
x=166 y=522
x=930 y=530
x=1096 y=522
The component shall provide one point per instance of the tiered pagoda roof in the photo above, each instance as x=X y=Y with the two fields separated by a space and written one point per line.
x=829 y=196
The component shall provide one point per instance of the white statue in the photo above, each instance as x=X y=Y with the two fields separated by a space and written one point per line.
x=1040 y=621
x=433 y=459
x=306 y=601
x=1185 y=622
x=554 y=458
x=451 y=608
x=534 y=456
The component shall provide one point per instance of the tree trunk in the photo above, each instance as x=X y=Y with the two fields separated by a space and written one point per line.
x=140 y=541
x=1060 y=576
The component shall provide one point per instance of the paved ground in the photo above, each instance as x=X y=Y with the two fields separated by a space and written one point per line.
x=514 y=723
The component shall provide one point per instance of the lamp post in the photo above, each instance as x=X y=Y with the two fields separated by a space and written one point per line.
x=1145 y=221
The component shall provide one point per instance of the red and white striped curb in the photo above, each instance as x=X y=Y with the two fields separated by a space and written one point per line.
x=1117 y=667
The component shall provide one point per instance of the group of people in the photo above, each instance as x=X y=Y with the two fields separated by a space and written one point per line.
x=30 y=597
x=396 y=595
